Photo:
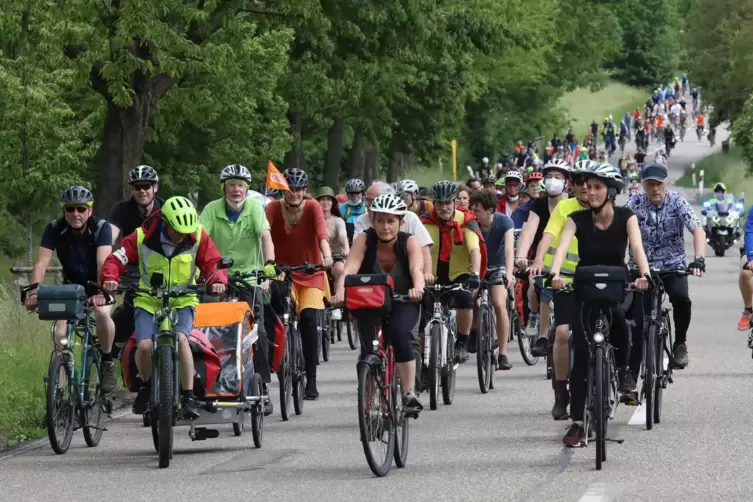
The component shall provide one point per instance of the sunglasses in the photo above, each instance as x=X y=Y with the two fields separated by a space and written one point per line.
x=76 y=209
x=142 y=187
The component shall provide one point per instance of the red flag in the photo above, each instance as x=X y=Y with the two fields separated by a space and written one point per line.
x=275 y=179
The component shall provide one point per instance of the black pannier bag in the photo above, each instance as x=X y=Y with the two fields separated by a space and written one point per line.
x=600 y=285
x=64 y=302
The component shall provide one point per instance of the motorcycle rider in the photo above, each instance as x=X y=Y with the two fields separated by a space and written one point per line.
x=721 y=202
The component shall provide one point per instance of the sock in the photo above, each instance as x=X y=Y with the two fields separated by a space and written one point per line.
x=462 y=338
x=188 y=394
x=106 y=357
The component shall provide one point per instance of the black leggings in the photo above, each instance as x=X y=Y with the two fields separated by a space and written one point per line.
x=398 y=328
x=307 y=324
x=584 y=323
x=676 y=287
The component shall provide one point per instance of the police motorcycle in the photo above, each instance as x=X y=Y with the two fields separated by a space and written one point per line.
x=721 y=220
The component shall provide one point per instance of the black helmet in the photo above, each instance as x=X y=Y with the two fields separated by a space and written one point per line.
x=355 y=186
x=143 y=173
x=76 y=195
x=446 y=191
x=296 y=178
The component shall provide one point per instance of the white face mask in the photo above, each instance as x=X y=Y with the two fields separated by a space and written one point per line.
x=513 y=198
x=234 y=206
x=554 y=186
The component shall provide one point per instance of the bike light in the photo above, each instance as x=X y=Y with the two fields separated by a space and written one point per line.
x=336 y=315
x=598 y=337
x=706 y=204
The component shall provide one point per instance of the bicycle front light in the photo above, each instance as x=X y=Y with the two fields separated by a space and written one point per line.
x=598 y=337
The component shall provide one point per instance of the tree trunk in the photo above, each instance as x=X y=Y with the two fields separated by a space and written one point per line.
x=371 y=164
x=395 y=160
x=358 y=154
x=334 y=153
x=295 y=158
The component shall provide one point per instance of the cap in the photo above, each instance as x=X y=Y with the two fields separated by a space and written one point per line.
x=654 y=172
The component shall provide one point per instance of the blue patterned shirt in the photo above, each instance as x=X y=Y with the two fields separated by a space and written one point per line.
x=662 y=228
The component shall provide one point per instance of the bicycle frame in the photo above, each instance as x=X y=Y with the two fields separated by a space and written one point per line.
x=165 y=318
x=81 y=331
x=438 y=317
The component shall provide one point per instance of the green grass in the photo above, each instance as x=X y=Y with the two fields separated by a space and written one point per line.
x=24 y=358
x=731 y=169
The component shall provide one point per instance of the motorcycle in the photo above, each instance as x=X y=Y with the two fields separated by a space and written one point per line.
x=722 y=225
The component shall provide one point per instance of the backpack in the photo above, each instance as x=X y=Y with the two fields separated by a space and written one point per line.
x=99 y=224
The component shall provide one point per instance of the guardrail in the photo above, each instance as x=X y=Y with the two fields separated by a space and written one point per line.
x=22 y=276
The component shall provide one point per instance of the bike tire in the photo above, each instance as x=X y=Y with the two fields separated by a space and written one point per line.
x=598 y=405
x=650 y=370
x=339 y=330
x=92 y=414
x=525 y=342
x=326 y=341
x=402 y=423
x=434 y=339
x=483 y=347
x=59 y=364
x=354 y=339
x=166 y=405
x=238 y=429
x=299 y=379
x=368 y=382
x=449 y=371
x=661 y=377
x=257 y=411
x=285 y=378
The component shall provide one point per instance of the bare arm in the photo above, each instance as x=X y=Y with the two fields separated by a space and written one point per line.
x=636 y=245
x=102 y=253
x=546 y=242
x=115 y=233
x=699 y=241
x=343 y=237
x=267 y=247
x=44 y=256
x=427 y=264
x=352 y=263
x=416 y=261
x=565 y=239
x=527 y=234
x=476 y=261
x=509 y=249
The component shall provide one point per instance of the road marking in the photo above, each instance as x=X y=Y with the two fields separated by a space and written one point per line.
x=600 y=492
x=639 y=416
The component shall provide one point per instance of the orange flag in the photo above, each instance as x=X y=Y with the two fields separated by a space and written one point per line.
x=275 y=179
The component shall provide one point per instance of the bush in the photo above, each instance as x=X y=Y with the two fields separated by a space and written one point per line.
x=731 y=169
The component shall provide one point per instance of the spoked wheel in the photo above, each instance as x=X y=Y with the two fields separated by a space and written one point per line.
x=238 y=428
x=484 y=347
x=402 y=431
x=166 y=405
x=598 y=406
x=285 y=377
x=649 y=383
x=61 y=404
x=339 y=330
x=376 y=427
x=257 y=411
x=93 y=408
x=433 y=366
x=326 y=340
x=525 y=342
x=662 y=377
x=449 y=371
x=299 y=379
x=354 y=339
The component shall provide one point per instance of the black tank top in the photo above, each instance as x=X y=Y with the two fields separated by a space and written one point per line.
x=602 y=247
x=400 y=272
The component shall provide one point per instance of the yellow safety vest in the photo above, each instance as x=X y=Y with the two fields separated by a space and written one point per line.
x=179 y=271
x=571 y=258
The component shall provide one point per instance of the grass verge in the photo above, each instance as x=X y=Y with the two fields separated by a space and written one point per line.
x=731 y=169
x=24 y=359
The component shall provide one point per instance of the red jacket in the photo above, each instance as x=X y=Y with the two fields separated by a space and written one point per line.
x=207 y=256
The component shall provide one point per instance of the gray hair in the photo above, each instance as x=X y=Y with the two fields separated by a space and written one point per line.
x=384 y=188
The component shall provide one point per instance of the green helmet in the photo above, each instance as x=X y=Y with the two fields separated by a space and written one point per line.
x=542 y=187
x=180 y=214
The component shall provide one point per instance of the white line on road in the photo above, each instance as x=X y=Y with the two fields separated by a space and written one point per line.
x=639 y=416
x=600 y=492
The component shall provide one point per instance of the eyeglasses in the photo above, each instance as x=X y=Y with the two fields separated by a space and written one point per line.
x=142 y=187
x=367 y=201
x=76 y=209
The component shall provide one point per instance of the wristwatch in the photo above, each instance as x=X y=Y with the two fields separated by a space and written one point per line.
x=700 y=259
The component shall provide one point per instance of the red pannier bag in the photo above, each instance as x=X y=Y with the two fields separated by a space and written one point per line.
x=368 y=295
x=276 y=334
x=128 y=365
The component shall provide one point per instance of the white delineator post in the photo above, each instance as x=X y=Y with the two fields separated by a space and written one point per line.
x=700 y=183
x=692 y=173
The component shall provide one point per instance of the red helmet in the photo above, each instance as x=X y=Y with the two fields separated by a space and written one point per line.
x=536 y=176
x=341 y=198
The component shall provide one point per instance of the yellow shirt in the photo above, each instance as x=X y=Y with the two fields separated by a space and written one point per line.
x=556 y=223
x=424 y=206
x=460 y=255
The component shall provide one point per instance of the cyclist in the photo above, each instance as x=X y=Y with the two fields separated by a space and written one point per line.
x=175 y=244
x=299 y=233
x=354 y=207
x=464 y=197
x=460 y=256
x=563 y=303
x=82 y=245
x=745 y=279
x=409 y=189
x=338 y=237
x=510 y=199
x=603 y=232
x=239 y=228
x=662 y=215
x=125 y=217
x=532 y=184
x=385 y=249
x=497 y=230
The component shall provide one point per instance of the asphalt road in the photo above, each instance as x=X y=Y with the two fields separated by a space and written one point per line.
x=499 y=446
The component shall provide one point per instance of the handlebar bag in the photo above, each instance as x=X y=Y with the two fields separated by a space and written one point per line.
x=368 y=295
x=63 y=302
x=600 y=285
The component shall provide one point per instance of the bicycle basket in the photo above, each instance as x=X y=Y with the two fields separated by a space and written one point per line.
x=229 y=328
x=600 y=285
x=368 y=295
x=64 y=302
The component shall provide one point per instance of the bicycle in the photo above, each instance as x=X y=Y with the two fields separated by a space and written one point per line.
x=525 y=340
x=378 y=378
x=439 y=351
x=85 y=408
x=486 y=333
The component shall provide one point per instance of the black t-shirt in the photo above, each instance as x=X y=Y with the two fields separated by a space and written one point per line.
x=602 y=247
x=540 y=206
x=127 y=216
x=77 y=252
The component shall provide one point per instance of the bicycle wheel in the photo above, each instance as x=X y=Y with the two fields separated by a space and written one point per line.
x=435 y=340
x=353 y=337
x=61 y=403
x=483 y=347
x=339 y=330
x=257 y=411
x=166 y=405
x=285 y=377
x=651 y=370
x=92 y=412
x=598 y=405
x=662 y=376
x=326 y=339
x=402 y=432
x=373 y=416
x=525 y=342
x=493 y=365
x=450 y=369
x=299 y=378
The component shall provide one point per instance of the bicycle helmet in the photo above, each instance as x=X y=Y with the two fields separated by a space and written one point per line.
x=513 y=175
x=557 y=164
x=296 y=178
x=720 y=186
x=142 y=173
x=542 y=187
x=389 y=204
x=77 y=195
x=609 y=174
x=355 y=186
x=581 y=167
x=235 y=172
x=180 y=214
x=487 y=178
x=445 y=191
x=409 y=186
x=534 y=177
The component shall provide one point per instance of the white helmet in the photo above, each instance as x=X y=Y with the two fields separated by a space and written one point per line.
x=408 y=186
x=514 y=175
x=499 y=165
x=557 y=164
x=389 y=204
x=609 y=174
x=485 y=160
x=235 y=172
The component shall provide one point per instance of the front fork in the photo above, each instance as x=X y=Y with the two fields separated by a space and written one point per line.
x=164 y=336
